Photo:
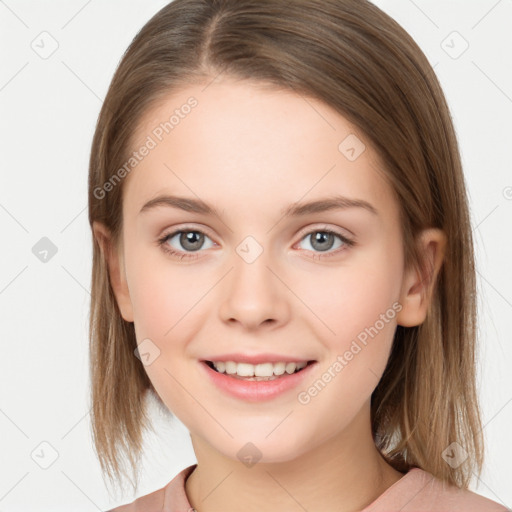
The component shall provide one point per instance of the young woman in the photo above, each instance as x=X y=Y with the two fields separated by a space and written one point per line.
x=283 y=259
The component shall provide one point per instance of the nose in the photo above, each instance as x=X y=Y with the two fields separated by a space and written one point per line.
x=254 y=295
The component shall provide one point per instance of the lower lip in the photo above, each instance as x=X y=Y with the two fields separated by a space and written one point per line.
x=257 y=391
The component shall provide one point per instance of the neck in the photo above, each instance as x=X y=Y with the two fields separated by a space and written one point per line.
x=345 y=473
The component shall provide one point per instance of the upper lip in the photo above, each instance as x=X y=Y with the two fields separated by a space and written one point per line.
x=256 y=359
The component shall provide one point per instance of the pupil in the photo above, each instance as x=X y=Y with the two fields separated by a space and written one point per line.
x=320 y=238
x=191 y=240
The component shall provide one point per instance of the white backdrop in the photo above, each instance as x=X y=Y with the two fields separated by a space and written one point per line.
x=57 y=59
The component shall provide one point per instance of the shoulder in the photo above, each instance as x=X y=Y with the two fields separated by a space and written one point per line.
x=419 y=490
x=167 y=499
x=153 y=502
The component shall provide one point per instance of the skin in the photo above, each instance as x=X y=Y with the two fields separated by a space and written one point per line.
x=250 y=152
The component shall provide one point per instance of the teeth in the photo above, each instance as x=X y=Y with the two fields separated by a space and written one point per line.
x=257 y=370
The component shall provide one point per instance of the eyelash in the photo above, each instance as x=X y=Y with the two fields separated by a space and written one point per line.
x=184 y=255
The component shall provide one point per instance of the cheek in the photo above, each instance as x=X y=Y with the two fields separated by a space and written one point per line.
x=165 y=305
x=169 y=303
x=164 y=295
x=357 y=308
x=351 y=298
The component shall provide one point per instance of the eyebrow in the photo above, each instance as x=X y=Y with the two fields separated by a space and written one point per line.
x=336 y=202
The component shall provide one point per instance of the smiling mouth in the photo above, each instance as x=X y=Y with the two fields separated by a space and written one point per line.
x=256 y=378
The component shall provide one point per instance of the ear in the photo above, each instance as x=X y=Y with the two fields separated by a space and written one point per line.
x=116 y=270
x=418 y=284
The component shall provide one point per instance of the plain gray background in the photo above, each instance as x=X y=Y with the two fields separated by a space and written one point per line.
x=48 y=108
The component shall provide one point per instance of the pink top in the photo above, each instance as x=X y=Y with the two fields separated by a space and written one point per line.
x=416 y=491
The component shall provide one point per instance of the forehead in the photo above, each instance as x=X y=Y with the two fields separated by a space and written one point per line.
x=237 y=142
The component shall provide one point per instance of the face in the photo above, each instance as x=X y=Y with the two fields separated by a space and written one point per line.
x=319 y=284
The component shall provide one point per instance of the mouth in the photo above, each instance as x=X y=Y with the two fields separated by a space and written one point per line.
x=259 y=382
x=262 y=372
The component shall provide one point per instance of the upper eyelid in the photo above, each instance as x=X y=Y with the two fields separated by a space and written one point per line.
x=337 y=231
x=173 y=232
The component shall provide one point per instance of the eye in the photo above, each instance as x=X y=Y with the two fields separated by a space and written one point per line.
x=189 y=240
x=322 y=240
x=192 y=240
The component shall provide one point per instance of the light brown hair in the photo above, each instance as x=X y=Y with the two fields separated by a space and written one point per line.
x=359 y=61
